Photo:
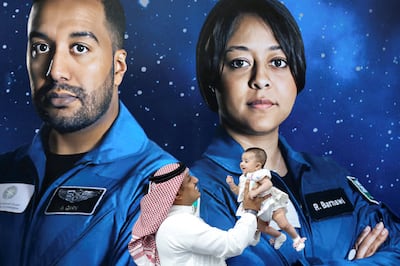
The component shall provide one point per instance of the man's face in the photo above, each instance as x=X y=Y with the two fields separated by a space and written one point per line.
x=188 y=192
x=71 y=64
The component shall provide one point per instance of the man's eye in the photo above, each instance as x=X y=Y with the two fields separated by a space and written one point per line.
x=39 y=48
x=280 y=63
x=239 y=63
x=79 y=49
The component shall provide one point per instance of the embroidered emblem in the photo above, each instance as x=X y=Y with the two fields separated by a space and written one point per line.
x=10 y=192
x=74 y=196
x=15 y=197
x=75 y=200
x=354 y=181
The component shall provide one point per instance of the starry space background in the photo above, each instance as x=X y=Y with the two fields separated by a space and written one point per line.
x=349 y=109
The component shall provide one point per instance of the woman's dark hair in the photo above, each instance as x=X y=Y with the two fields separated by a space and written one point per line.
x=219 y=27
x=115 y=19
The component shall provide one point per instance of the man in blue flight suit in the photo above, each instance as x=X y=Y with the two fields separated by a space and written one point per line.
x=72 y=196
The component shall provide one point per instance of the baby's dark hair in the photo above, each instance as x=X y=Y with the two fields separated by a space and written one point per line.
x=259 y=154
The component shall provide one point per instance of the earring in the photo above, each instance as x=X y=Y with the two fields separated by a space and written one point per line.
x=211 y=88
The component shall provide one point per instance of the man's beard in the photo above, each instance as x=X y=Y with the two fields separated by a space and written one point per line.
x=93 y=106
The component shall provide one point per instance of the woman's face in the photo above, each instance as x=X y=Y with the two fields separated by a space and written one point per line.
x=257 y=90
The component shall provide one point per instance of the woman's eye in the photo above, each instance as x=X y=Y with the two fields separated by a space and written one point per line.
x=238 y=63
x=279 y=63
x=79 y=49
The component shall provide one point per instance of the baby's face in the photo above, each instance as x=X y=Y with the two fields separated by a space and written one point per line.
x=249 y=163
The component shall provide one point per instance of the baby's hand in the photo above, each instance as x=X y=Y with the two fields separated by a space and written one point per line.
x=252 y=194
x=232 y=185
x=229 y=179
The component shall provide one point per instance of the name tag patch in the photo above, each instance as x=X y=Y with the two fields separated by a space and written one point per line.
x=75 y=200
x=328 y=203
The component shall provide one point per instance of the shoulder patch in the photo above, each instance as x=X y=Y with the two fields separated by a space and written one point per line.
x=354 y=181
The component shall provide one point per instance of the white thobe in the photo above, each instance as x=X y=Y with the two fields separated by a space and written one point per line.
x=185 y=239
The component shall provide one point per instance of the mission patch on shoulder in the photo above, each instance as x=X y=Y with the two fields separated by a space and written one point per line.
x=354 y=181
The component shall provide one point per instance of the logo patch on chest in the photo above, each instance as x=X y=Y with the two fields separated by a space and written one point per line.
x=15 y=197
x=328 y=203
x=75 y=200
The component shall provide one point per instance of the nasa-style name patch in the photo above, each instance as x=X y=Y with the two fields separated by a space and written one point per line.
x=328 y=203
x=75 y=200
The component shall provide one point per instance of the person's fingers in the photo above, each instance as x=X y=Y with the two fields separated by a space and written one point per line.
x=248 y=203
x=362 y=236
x=372 y=241
x=259 y=200
x=381 y=237
x=246 y=188
x=265 y=197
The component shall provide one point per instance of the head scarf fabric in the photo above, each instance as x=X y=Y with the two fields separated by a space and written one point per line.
x=155 y=205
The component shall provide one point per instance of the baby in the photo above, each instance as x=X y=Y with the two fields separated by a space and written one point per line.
x=274 y=207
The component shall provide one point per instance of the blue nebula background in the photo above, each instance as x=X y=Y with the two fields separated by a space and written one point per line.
x=349 y=109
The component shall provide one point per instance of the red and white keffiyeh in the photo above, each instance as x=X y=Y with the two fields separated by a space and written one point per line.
x=154 y=207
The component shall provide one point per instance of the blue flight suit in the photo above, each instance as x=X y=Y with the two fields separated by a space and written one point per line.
x=84 y=217
x=331 y=211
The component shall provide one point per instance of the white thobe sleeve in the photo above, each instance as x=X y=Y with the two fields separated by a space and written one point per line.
x=208 y=240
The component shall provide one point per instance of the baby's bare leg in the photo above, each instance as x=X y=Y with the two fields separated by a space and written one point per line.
x=279 y=216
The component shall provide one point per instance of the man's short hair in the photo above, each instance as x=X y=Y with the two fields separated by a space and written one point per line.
x=115 y=19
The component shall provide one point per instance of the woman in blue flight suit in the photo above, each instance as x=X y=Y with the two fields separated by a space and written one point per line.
x=250 y=68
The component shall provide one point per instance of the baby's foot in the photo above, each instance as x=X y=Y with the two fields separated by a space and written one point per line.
x=298 y=243
x=279 y=241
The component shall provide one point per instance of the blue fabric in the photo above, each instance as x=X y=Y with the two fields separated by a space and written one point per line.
x=328 y=240
x=121 y=164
